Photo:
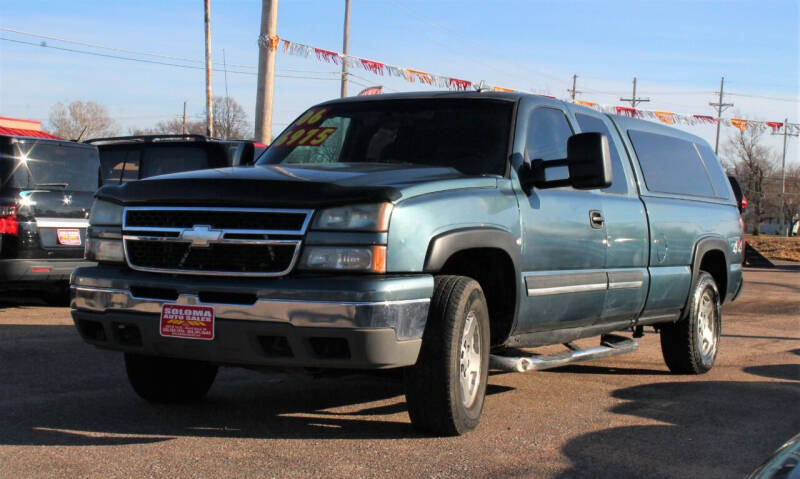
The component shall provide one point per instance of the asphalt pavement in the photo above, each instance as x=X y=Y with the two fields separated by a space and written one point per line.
x=66 y=410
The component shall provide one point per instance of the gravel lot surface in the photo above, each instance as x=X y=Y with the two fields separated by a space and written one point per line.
x=66 y=410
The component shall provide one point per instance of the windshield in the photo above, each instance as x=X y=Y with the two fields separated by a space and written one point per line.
x=49 y=165
x=471 y=136
x=130 y=163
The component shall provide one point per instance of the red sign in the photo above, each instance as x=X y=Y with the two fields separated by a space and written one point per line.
x=70 y=237
x=189 y=322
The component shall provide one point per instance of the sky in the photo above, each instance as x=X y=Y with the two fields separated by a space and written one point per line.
x=678 y=50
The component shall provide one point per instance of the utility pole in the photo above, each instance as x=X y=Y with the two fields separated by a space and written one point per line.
x=573 y=91
x=781 y=216
x=209 y=110
x=720 y=108
x=184 y=117
x=633 y=100
x=345 y=46
x=266 y=72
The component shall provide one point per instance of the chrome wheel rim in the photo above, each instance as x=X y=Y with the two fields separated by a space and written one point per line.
x=707 y=324
x=470 y=360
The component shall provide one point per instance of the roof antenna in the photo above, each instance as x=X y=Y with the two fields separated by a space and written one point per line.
x=78 y=139
x=482 y=86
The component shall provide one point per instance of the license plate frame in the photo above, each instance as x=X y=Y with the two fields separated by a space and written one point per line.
x=69 y=236
x=184 y=321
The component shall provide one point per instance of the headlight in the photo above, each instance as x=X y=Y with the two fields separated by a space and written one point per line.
x=374 y=217
x=371 y=259
x=104 y=250
x=105 y=213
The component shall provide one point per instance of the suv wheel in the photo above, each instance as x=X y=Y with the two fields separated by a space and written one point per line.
x=168 y=380
x=445 y=390
x=690 y=345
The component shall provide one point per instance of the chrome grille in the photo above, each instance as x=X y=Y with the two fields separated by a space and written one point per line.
x=213 y=241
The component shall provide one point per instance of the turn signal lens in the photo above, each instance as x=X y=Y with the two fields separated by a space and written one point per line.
x=343 y=258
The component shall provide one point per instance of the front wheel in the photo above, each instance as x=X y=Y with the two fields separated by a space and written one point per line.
x=445 y=390
x=690 y=345
x=169 y=380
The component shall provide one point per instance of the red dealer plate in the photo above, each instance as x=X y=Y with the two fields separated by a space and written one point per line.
x=189 y=322
x=69 y=237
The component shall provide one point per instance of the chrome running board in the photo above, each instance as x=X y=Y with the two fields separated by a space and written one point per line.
x=610 y=345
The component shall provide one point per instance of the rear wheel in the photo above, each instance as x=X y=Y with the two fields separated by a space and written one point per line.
x=445 y=390
x=168 y=380
x=690 y=345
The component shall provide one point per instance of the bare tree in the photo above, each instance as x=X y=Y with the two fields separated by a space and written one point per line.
x=81 y=120
x=752 y=163
x=230 y=122
x=172 y=127
x=230 y=119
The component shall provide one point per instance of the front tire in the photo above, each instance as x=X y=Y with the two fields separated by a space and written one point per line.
x=445 y=390
x=168 y=380
x=690 y=346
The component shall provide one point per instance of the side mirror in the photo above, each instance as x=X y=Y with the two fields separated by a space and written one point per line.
x=588 y=163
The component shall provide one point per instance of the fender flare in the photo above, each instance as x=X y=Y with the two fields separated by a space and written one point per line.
x=703 y=246
x=442 y=246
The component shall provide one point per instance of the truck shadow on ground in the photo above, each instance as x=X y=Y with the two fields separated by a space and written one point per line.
x=712 y=429
x=68 y=393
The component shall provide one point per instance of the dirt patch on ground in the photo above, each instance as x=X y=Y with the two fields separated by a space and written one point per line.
x=776 y=247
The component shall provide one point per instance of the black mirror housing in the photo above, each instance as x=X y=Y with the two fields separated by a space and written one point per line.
x=588 y=163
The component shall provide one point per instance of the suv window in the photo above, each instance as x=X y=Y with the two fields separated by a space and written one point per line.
x=120 y=166
x=43 y=164
x=122 y=163
x=591 y=124
x=670 y=165
x=161 y=160
x=469 y=135
x=719 y=180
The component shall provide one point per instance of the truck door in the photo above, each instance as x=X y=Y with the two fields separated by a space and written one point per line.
x=625 y=228
x=564 y=246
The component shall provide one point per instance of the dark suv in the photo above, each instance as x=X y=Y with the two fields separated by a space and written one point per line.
x=45 y=197
x=131 y=158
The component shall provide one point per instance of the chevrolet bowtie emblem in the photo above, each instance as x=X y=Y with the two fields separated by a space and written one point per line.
x=201 y=236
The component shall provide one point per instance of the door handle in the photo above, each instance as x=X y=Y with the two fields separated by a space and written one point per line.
x=596 y=219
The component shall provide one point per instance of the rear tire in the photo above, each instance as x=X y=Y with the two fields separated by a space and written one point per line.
x=445 y=390
x=690 y=346
x=168 y=380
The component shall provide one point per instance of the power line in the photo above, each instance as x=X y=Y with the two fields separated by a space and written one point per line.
x=154 y=62
x=792 y=100
x=113 y=49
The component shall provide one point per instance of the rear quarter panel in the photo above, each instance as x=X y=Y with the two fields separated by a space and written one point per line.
x=677 y=224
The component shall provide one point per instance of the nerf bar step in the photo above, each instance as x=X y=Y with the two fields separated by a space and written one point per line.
x=610 y=345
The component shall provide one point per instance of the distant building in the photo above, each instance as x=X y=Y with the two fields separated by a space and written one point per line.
x=20 y=127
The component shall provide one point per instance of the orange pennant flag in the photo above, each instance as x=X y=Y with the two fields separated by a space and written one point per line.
x=667 y=117
x=419 y=75
x=499 y=88
x=739 y=123
x=585 y=103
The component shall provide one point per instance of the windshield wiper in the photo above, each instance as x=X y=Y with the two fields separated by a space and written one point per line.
x=62 y=185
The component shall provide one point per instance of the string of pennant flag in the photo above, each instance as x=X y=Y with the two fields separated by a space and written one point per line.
x=410 y=75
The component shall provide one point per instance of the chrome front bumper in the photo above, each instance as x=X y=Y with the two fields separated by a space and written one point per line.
x=406 y=317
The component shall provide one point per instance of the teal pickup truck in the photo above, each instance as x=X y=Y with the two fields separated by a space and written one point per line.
x=435 y=232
